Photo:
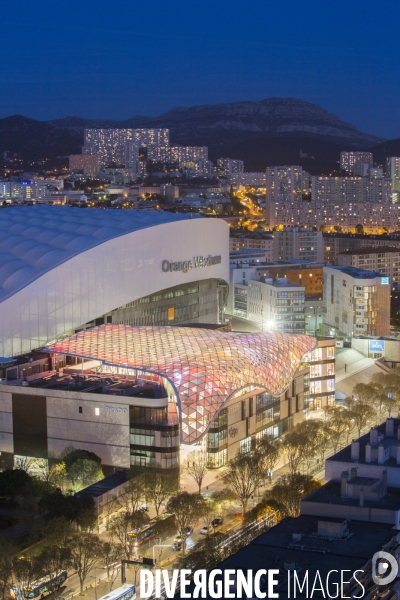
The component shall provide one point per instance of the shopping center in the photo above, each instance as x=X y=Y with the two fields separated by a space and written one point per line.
x=135 y=395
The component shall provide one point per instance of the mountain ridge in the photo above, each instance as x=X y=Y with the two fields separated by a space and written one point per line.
x=222 y=127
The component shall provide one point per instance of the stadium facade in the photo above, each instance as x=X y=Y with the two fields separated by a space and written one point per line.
x=65 y=269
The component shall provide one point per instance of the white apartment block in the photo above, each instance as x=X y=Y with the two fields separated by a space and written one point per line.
x=252 y=241
x=285 y=184
x=227 y=166
x=248 y=179
x=356 y=163
x=298 y=242
x=110 y=144
x=276 y=305
x=177 y=154
x=341 y=190
x=374 y=217
x=357 y=302
x=385 y=260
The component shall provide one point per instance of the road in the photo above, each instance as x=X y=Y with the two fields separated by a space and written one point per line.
x=165 y=559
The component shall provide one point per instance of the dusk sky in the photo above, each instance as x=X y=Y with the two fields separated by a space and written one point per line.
x=123 y=58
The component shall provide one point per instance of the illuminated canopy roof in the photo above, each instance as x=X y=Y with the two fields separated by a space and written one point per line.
x=205 y=366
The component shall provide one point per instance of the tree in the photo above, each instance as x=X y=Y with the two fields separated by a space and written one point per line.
x=271 y=449
x=195 y=465
x=160 y=486
x=301 y=443
x=25 y=571
x=15 y=482
x=364 y=393
x=359 y=228
x=84 y=472
x=54 y=559
x=208 y=509
x=127 y=522
x=79 y=510
x=244 y=475
x=224 y=499
x=113 y=553
x=185 y=507
x=289 y=490
x=361 y=414
x=86 y=549
x=134 y=493
x=5 y=569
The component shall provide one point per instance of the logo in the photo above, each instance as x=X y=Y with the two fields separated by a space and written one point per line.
x=384 y=568
x=198 y=262
x=116 y=409
x=385 y=280
x=376 y=345
x=233 y=431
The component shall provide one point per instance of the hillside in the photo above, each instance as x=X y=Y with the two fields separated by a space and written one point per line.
x=271 y=131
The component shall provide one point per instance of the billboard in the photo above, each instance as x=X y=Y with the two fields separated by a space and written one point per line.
x=376 y=346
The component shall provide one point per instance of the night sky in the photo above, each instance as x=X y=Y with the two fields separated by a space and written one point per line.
x=123 y=58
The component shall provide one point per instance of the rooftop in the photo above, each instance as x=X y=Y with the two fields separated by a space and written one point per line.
x=204 y=366
x=105 y=485
x=330 y=494
x=384 y=440
x=356 y=273
x=274 y=549
x=36 y=239
x=111 y=384
x=378 y=250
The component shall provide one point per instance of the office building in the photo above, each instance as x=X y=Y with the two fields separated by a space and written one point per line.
x=357 y=302
x=385 y=260
x=66 y=269
x=356 y=163
x=132 y=395
x=298 y=242
x=276 y=305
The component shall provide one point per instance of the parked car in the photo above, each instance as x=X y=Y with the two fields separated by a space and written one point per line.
x=204 y=530
x=188 y=531
x=217 y=522
x=177 y=546
x=178 y=538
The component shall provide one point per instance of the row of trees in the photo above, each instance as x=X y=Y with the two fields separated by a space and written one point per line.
x=66 y=549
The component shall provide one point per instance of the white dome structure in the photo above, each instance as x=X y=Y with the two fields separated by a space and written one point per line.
x=62 y=267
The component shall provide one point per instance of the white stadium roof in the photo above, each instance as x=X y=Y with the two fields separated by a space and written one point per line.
x=62 y=268
x=36 y=239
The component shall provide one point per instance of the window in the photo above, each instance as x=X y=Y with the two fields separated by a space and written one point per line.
x=217 y=459
x=80 y=410
x=142 y=437
x=245 y=445
x=97 y=411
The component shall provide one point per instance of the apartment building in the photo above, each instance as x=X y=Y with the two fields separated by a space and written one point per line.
x=298 y=242
x=385 y=260
x=356 y=163
x=357 y=302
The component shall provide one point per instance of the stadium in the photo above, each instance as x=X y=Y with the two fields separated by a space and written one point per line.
x=65 y=269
